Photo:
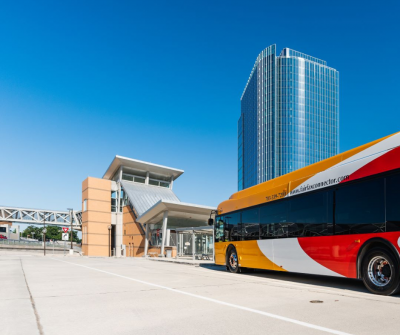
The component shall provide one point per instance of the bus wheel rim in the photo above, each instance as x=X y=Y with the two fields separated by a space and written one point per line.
x=233 y=260
x=379 y=271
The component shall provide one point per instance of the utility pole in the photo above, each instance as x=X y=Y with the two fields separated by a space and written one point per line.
x=44 y=233
x=71 y=211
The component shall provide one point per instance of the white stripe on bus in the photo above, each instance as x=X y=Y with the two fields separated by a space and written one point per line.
x=351 y=164
x=288 y=254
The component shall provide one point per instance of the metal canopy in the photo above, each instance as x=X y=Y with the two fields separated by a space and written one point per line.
x=194 y=229
x=180 y=210
x=143 y=197
x=135 y=164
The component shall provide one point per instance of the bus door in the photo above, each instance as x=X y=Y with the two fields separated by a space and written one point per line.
x=219 y=238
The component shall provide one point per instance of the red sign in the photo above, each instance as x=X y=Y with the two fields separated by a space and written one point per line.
x=65 y=229
x=158 y=232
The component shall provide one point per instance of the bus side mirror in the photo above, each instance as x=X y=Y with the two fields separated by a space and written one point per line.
x=210 y=222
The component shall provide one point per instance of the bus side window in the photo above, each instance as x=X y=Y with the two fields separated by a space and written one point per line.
x=232 y=227
x=393 y=203
x=250 y=224
x=273 y=220
x=311 y=215
x=360 y=208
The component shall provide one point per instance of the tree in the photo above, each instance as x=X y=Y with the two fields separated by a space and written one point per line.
x=75 y=237
x=32 y=232
x=53 y=233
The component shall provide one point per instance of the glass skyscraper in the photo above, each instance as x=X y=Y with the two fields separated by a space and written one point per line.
x=289 y=115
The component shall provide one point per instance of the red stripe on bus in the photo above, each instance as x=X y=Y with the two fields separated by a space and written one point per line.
x=339 y=252
x=386 y=162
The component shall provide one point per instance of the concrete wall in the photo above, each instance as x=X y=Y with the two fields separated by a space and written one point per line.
x=14 y=236
x=133 y=236
x=36 y=249
x=7 y=225
x=97 y=217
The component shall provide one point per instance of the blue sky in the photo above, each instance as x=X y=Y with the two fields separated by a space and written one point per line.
x=82 y=81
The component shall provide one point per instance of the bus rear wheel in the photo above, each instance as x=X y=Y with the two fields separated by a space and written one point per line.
x=232 y=260
x=380 y=272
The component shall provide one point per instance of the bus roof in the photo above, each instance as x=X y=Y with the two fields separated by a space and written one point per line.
x=369 y=159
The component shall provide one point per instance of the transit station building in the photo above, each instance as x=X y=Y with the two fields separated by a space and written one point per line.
x=132 y=211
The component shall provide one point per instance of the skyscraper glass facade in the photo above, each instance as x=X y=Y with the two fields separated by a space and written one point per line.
x=289 y=116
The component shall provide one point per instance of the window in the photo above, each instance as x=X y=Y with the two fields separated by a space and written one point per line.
x=154 y=182
x=219 y=229
x=250 y=224
x=127 y=177
x=156 y=237
x=113 y=201
x=122 y=200
x=232 y=227
x=139 y=180
x=393 y=203
x=85 y=205
x=158 y=183
x=311 y=215
x=360 y=208
x=136 y=179
x=273 y=219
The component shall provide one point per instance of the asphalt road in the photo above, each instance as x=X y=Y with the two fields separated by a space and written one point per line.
x=81 y=295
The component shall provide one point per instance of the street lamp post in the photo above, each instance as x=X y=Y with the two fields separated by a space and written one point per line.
x=109 y=241
x=71 y=211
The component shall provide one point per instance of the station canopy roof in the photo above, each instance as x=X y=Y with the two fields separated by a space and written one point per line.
x=135 y=164
x=144 y=197
x=179 y=214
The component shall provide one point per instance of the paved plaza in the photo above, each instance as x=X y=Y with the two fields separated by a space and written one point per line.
x=81 y=295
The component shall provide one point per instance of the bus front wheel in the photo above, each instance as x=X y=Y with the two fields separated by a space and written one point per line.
x=232 y=260
x=380 y=272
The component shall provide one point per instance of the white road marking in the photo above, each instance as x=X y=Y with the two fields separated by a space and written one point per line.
x=270 y=315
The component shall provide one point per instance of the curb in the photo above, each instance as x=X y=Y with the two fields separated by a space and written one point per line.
x=176 y=262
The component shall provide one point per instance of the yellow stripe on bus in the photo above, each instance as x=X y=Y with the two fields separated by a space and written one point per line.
x=281 y=186
x=250 y=255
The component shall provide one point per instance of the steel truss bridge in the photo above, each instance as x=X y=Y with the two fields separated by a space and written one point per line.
x=41 y=216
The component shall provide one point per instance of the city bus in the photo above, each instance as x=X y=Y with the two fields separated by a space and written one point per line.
x=338 y=217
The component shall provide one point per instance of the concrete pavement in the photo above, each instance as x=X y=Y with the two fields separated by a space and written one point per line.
x=81 y=295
